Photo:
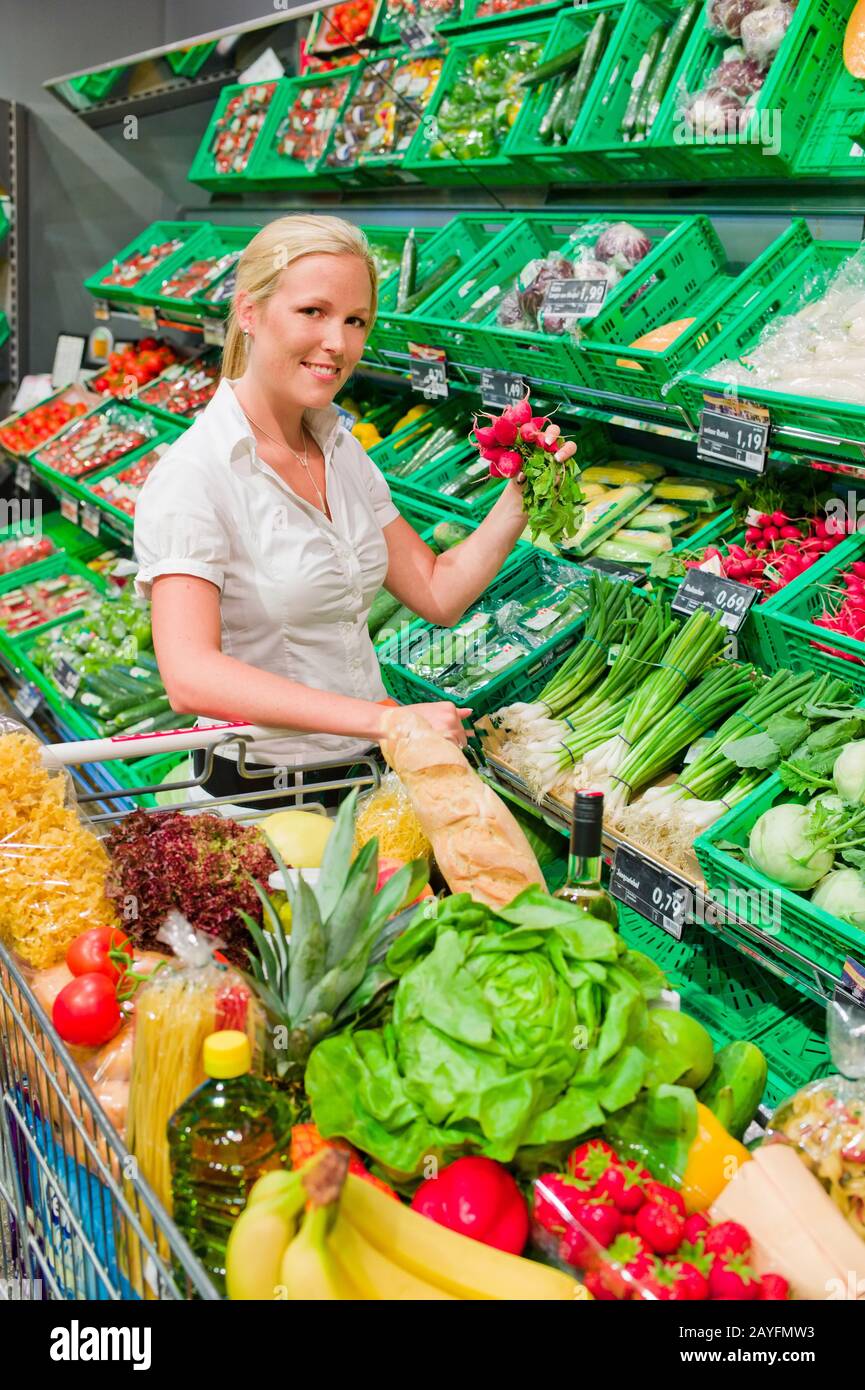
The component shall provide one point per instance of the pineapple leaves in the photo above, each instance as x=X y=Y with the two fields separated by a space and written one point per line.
x=336 y=865
x=307 y=950
x=354 y=902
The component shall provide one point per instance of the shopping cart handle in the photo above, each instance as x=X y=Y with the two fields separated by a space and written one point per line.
x=99 y=750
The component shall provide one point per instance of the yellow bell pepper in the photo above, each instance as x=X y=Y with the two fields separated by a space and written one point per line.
x=366 y=434
x=713 y=1159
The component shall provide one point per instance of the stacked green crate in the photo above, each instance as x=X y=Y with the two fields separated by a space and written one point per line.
x=299 y=150
x=164 y=289
x=834 y=145
x=50 y=577
x=243 y=115
x=186 y=62
x=119 y=280
x=89 y=490
x=70 y=484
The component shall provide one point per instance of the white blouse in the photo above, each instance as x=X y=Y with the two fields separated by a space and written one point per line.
x=295 y=588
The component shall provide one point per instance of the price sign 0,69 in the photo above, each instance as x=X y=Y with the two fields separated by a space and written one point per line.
x=701 y=589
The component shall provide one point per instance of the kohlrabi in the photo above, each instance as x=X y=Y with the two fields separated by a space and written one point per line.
x=785 y=846
x=848 y=772
x=842 y=894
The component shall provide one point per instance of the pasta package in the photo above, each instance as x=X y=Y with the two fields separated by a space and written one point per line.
x=477 y=843
x=52 y=867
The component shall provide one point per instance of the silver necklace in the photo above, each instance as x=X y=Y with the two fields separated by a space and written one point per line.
x=302 y=459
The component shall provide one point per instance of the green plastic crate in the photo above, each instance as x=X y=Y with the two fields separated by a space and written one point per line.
x=385 y=169
x=388 y=454
x=496 y=169
x=837 y=427
x=154 y=235
x=834 y=144
x=55 y=565
x=795 y=87
x=116 y=518
x=788 y=920
x=270 y=169
x=75 y=393
x=471 y=19
x=62 y=534
x=393 y=239
x=203 y=169
x=147 y=396
x=431 y=478
x=524 y=144
x=455 y=244
x=600 y=134
x=96 y=86
x=212 y=243
x=420 y=515
x=4 y=328
x=56 y=479
x=186 y=62
x=519 y=579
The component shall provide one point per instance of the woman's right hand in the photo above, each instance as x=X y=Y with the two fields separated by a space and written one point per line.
x=446 y=718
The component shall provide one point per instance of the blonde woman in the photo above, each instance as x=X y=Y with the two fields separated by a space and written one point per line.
x=265 y=533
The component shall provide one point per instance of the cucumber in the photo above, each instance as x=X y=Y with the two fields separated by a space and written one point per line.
x=547 y=127
x=407 y=272
x=640 y=80
x=383 y=605
x=554 y=67
x=434 y=281
x=667 y=63
x=167 y=720
x=592 y=53
x=450 y=533
x=133 y=713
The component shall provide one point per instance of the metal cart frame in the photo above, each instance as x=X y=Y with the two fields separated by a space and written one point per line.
x=77 y=1220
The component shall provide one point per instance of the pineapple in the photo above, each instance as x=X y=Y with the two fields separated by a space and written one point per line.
x=317 y=976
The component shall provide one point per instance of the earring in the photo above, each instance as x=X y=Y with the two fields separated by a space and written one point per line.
x=246 y=332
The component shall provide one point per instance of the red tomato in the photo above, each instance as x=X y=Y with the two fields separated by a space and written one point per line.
x=86 y=1012
x=88 y=953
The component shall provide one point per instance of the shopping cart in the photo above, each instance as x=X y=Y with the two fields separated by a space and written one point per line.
x=77 y=1221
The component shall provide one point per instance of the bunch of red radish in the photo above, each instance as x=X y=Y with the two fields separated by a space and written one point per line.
x=849 y=619
x=511 y=438
x=777 y=550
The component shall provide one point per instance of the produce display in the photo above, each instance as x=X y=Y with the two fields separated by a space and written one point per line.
x=238 y=128
x=402 y=11
x=186 y=390
x=194 y=278
x=41 y=600
x=128 y=272
x=26 y=432
x=134 y=366
x=97 y=440
x=565 y=82
x=122 y=489
x=305 y=129
x=346 y=23
x=386 y=108
x=656 y=72
x=473 y=120
x=24 y=550
x=737 y=71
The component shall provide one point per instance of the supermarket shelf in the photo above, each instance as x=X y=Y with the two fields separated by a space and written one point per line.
x=809 y=979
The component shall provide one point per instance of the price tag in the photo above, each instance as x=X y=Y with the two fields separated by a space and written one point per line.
x=214 y=332
x=734 y=432
x=66 y=678
x=90 y=519
x=345 y=417
x=613 y=570
x=101 y=310
x=581 y=299
x=429 y=371
x=23 y=476
x=68 y=356
x=501 y=389
x=147 y=315
x=701 y=589
x=415 y=35
x=69 y=508
x=28 y=700
x=650 y=891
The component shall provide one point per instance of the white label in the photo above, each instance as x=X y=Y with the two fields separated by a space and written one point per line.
x=147 y=315
x=23 y=476
x=542 y=619
x=90 y=518
x=613 y=652
x=68 y=356
x=69 y=508
x=509 y=652
x=214 y=332
x=28 y=700
x=266 y=67
x=472 y=625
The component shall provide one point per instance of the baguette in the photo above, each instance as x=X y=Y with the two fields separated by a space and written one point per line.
x=478 y=846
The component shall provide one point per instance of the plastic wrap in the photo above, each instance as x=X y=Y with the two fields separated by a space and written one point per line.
x=388 y=814
x=818 y=349
x=727 y=16
x=763 y=30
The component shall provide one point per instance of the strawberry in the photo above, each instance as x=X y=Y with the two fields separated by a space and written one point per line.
x=622 y=1187
x=630 y=1262
x=691 y=1284
x=635 y=1167
x=733 y=1278
x=594 y=1282
x=668 y=1196
x=588 y=1161
x=553 y=1188
x=727 y=1238
x=660 y=1283
x=597 y=1224
x=774 y=1288
x=629 y=1221
x=661 y=1227
x=696 y=1226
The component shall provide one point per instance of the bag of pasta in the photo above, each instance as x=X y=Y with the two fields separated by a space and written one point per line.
x=52 y=866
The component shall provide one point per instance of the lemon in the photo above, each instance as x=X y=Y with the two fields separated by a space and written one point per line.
x=300 y=836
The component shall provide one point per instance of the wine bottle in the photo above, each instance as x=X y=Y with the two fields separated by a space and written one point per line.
x=583 y=884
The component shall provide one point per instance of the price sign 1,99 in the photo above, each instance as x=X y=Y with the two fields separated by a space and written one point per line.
x=650 y=891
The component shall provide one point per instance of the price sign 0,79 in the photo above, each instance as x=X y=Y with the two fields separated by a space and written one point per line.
x=650 y=891
x=429 y=371
x=701 y=589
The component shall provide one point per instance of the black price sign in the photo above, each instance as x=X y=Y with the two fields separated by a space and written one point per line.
x=614 y=570
x=701 y=589
x=28 y=700
x=501 y=389
x=649 y=891
x=23 y=476
x=581 y=299
x=430 y=378
x=735 y=433
x=66 y=678
x=415 y=35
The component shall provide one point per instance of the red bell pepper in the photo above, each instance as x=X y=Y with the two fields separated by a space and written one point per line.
x=478 y=1198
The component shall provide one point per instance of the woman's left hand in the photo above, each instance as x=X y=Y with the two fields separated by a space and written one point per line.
x=567 y=451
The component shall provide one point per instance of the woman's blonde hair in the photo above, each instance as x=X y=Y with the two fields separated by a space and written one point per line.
x=272 y=249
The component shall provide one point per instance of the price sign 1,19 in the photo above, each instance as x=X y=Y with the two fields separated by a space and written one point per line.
x=729 y=434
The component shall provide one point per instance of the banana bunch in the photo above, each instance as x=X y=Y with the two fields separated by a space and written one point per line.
x=323 y=1234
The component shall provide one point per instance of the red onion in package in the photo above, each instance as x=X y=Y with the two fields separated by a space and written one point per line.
x=622 y=245
x=726 y=16
x=741 y=76
x=763 y=31
x=711 y=113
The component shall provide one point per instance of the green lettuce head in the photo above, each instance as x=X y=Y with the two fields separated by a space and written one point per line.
x=509 y=1030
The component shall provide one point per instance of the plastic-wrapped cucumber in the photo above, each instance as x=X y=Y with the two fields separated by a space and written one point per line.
x=449 y=533
x=407 y=272
x=640 y=79
x=384 y=605
x=578 y=90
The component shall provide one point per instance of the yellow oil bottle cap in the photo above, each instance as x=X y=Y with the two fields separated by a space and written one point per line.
x=226 y=1054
